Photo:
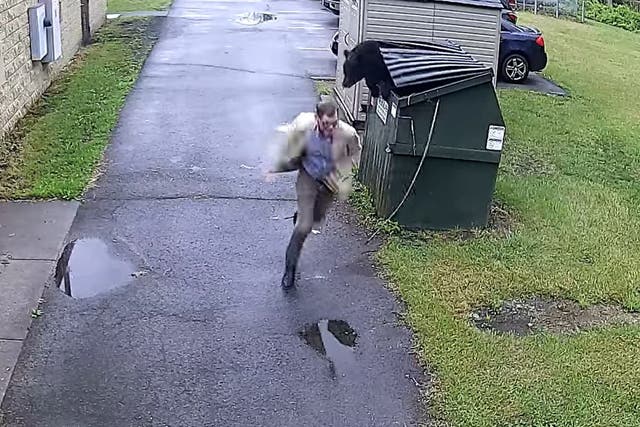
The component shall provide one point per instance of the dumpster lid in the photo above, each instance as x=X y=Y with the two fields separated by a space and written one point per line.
x=417 y=96
x=420 y=66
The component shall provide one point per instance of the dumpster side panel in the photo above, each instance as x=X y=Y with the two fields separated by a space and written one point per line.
x=367 y=155
x=367 y=173
x=414 y=123
x=401 y=171
x=463 y=121
x=382 y=160
x=456 y=183
x=465 y=116
x=376 y=164
x=382 y=178
x=435 y=208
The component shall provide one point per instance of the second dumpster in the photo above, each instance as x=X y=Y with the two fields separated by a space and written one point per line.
x=431 y=153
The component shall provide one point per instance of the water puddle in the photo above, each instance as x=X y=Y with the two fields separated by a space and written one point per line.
x=87 y=268
x=335 y=340
x=255 y=18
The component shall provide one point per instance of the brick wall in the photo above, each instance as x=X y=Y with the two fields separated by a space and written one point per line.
x=23 y=81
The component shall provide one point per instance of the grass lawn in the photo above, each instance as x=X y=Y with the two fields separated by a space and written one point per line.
x=324 y=87
x=571 y=177
x=114 y=6
x=58 y=146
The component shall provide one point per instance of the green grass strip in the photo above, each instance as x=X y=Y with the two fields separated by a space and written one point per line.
x=57 y=147
x=114 y=6
x=571 y=177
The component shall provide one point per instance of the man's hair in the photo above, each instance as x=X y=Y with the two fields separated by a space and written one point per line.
x=326 y=108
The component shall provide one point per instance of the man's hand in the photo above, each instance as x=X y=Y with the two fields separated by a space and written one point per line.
x=331 y=181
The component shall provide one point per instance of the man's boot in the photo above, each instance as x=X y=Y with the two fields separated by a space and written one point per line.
x=291 y=258
x=289 y=278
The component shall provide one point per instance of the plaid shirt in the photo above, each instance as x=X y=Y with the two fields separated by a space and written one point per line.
x=318 y=157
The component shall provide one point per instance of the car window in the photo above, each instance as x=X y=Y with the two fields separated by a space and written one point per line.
x=508 y=26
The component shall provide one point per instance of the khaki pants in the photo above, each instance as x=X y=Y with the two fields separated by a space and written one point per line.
x=314 y=199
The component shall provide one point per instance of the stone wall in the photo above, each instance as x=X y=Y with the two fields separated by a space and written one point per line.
x=22 y=81
x=97 y=10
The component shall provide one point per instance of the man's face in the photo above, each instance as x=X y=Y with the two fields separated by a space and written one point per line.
x=327 y=124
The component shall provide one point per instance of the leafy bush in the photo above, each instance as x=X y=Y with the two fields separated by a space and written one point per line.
x=619 y=16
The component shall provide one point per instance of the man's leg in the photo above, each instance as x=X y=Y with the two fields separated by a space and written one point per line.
x=324 y=199
x=307 y=191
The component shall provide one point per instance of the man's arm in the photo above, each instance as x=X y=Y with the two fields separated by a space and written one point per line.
x=289 y=156
x=354 y=146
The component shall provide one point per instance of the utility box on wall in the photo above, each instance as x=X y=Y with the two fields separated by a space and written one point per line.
x=54 y=33
x=37 y=32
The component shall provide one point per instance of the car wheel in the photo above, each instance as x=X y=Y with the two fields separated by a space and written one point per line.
x=515 y=68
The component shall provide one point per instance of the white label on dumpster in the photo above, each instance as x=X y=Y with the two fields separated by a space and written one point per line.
x=495 y=139
x=382 y=109
x=394 y=110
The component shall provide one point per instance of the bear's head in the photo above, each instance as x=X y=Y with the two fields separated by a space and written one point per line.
x=365 y=61
x=352 y=70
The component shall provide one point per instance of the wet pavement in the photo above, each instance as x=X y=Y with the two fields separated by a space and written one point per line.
x=206 y=336
x=535 y=83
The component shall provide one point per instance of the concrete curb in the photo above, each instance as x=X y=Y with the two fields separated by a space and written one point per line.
x=32 y=235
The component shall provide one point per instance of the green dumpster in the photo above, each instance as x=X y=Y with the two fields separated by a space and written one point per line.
x=430 y=158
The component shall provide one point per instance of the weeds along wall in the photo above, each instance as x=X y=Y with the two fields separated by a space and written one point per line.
x=22 y=81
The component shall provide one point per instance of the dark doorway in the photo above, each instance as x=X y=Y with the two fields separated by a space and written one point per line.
x=86 y=22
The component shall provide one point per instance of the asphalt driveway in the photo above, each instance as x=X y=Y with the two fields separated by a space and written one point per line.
x=176 y=315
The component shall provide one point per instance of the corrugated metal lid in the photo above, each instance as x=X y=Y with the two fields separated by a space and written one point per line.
x=425 y=65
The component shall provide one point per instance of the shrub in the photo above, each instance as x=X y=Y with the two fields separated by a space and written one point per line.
x=619 y=16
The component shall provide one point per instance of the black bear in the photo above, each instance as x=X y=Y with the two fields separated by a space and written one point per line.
x=365 y=62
